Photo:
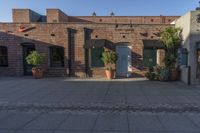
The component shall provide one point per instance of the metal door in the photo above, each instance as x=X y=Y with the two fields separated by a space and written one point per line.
x=124 y=54
x=149 y=57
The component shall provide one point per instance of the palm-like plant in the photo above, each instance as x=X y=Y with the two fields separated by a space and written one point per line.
x=171 y=38
x=109 y=58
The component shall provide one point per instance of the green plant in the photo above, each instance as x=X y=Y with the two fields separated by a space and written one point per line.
x=34 y=58
x=157 y=71
x=150 y=74
x=109 y=58
x=171 y=38
x=170 y=60
x=164 y=74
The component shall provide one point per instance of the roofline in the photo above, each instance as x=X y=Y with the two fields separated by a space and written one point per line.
x=124 y=16
x=83 y=23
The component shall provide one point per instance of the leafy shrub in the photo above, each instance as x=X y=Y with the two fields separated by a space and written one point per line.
x=34 y=58
x=109 y=58
x=158 y=73
x=150 y=75
x=164 y=74
x=170 y=60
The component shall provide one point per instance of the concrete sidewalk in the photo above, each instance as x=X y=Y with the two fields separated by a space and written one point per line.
x=58 y=105
x=88 y=92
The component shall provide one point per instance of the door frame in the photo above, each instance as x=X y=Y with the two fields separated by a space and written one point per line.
x=129 y=61
x=24 y=46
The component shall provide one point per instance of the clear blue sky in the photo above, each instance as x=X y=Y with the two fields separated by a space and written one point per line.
x=101 y=7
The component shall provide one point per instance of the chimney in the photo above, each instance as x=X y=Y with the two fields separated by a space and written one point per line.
x=56 y=16
x=25 y=16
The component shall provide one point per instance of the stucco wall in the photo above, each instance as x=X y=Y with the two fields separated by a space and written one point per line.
x=191 y=35
x=184 y=23
x=194 y=38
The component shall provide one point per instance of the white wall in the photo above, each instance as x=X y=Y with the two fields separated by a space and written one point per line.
x=191 y=35
x=184 y=23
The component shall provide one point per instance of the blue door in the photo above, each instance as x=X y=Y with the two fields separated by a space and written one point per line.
x=123 y=53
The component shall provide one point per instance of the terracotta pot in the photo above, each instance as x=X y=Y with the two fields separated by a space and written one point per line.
x=37 y=73
x=174 y=74
x=110 y=74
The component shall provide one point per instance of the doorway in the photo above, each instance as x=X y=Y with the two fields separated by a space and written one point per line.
x=27 y=49
x=124 y=60
x=150 y=57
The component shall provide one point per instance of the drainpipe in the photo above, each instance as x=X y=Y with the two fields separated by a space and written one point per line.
x=189 y=75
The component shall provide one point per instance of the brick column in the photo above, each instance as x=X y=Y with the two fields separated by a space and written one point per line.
x=79 y=62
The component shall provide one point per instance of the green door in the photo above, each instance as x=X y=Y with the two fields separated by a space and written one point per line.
x=149 y=57
x=96 y=54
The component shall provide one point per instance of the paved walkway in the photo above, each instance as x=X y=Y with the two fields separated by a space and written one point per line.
x=57 y=105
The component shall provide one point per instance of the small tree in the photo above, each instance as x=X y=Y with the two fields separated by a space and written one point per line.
x=109 y=58
x=35 y=59
x=171 y=38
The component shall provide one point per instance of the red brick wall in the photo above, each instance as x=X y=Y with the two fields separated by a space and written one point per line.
x=25 y=16
x=56 y=15
x=128 y=19
x=21 y=15
x=41 y=37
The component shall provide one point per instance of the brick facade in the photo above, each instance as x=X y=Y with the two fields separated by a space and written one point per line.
x=55 y=33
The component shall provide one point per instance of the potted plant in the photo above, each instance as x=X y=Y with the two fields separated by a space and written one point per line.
x=109 y=58
x=35 y=59
x=164 y=74
x=171 y=38
x=151 y=75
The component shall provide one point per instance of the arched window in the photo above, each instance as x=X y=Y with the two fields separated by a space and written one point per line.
x=3 y=56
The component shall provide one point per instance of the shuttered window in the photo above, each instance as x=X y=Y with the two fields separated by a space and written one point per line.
x=96 y=55
x=3 y=56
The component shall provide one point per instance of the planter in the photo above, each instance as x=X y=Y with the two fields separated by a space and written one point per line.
x=37 y=73
x=110 y=74
x=174 y=75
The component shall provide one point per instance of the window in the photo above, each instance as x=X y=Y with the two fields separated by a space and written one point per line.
x=96 y=54
x=56 y=56
x=185 y=59
x=3 y=56
x=182 y=57
x=149 y=57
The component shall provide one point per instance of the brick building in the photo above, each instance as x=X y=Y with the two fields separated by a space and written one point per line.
x=72 y=45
